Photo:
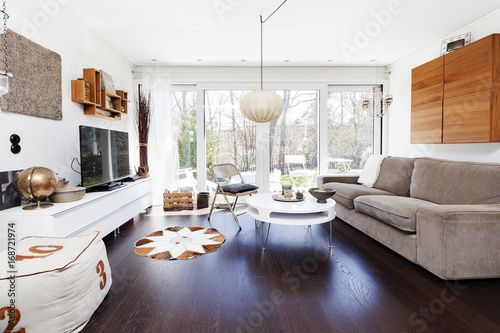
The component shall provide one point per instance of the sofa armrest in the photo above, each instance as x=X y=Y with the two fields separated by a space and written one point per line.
x=323 y=179
x=459 y=241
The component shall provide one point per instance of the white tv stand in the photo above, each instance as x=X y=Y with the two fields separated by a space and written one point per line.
x=96 y=211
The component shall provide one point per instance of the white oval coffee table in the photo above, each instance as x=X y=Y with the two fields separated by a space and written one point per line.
x=262 y=207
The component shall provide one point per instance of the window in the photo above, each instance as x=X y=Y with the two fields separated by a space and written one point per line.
x=230 y=137
x=351 y=129
x=347 y=139
x=294 y=140
x=183 y=112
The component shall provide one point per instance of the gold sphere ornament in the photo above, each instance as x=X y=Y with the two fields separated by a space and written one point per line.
x=36 y=183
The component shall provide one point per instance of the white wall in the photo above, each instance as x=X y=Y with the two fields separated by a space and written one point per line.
x=399 y=117
x=52 y=143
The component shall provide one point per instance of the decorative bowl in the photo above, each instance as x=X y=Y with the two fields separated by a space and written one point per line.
x=322 y=193
x=67 y=193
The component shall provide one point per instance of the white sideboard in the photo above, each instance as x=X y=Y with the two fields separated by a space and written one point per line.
x=97 y=211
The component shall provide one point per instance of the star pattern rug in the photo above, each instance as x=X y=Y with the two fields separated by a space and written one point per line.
x=179 y=243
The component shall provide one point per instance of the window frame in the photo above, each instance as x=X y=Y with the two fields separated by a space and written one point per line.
x=262 y=129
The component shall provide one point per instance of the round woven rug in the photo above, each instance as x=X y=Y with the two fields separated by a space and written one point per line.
x=179 y=243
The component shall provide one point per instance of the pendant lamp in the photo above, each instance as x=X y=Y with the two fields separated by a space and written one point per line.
x=263 y=105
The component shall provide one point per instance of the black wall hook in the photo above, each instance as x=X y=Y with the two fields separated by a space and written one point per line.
x=15 y=148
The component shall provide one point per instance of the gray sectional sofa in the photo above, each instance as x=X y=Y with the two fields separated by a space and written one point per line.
x=442 y=215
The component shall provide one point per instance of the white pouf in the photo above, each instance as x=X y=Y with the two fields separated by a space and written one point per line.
x=59 y=284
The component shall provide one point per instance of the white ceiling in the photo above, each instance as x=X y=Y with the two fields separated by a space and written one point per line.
x=301 y=33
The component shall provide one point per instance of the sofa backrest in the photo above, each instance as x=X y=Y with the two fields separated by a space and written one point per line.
x=395 y=175
x=455 y=183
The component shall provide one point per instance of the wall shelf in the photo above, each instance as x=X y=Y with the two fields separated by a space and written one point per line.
x=124 y=100
x=111 y=103
x=97 y=102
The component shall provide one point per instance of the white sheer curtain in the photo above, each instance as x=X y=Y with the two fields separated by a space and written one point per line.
x=163 y=157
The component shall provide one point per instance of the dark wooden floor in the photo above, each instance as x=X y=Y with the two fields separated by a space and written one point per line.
x=296 y=285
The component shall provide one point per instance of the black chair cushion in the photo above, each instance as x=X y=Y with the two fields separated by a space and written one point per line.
x=238 y=188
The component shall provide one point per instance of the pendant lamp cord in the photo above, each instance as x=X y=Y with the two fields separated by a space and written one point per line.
x=261 y=42
x=261 y=53
x=272 y=12
x=5 y=17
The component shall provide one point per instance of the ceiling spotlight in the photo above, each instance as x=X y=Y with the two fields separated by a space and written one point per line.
x=330 y=60
x=286 y=60
x=153 y=59
x=243 y=60
x=199 y=60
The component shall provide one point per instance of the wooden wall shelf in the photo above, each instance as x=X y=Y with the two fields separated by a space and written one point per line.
x=96 y=102
x=124 y=100
x=110 y=102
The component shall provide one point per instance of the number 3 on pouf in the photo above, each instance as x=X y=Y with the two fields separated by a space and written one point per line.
x=100 y=270
x=12 y=323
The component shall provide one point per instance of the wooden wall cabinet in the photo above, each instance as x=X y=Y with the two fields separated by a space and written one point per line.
x=471 y=77
x=427 y=102
x=427 y=123
x=470 y=94
x=98 y=104
x=470 y=68
x=466 y=118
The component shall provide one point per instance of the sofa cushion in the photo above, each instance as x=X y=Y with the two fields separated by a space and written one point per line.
x=456 y=183
x=346 y=193
x=399 y=212
x=395 y=175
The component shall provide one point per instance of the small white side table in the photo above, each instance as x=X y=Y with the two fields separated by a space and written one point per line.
x=262 y=207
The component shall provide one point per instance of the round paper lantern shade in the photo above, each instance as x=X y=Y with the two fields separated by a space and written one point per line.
x=261 y=106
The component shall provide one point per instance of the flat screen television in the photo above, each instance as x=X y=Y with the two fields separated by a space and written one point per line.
x=104 y=156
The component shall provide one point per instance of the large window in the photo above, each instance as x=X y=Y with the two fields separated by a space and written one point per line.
x=347 y=139
x=294 y=140
x=183 y=112
x=230 y=137
x=351 y=129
